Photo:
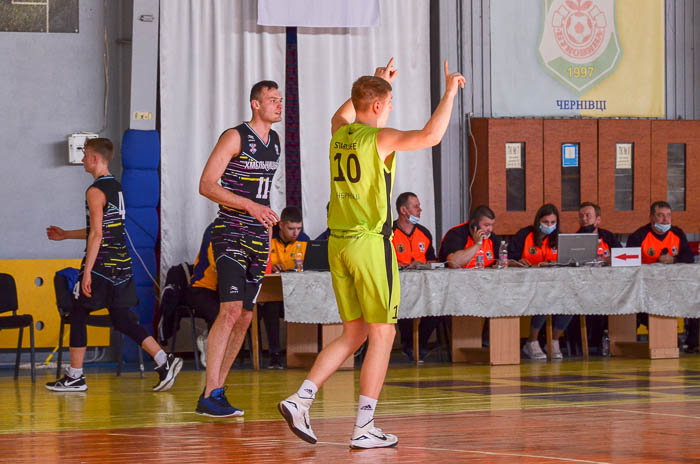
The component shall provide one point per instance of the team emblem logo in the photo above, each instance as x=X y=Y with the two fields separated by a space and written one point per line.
x=651 y=252
x=554 y=250
x=532 y=250
x=400 y=248
x=674 y=251
x=579 y=45
x=421 y=247
x=252 y=148
x=606 y=253
x=489 y=254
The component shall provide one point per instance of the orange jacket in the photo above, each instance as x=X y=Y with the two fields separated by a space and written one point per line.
x=418 y=246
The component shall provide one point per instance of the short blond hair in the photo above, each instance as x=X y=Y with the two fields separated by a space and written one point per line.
x=366 y=90
x=102 y=146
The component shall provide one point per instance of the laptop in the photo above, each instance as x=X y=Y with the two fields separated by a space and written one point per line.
x=316 y=257
x=577 y=249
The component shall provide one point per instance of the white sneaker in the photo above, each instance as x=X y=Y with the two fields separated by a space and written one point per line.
x=556 y=351
x=295 y=411
x=202 y=347
x=370 y=436
x=533 y=351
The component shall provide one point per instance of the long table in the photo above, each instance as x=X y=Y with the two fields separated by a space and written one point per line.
x=663 y=291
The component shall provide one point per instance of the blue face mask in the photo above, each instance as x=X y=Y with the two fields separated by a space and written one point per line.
x=663 y=228
x=547 y=229
x=413 y=220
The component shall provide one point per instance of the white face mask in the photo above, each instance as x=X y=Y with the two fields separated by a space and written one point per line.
x=663 y=228
x=413 y=220
x=487 y=236
x=547 y=229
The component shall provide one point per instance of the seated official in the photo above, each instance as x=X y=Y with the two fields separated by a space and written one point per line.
x=413 y=244
x=287 y=240
x=532 y=246
x=460 y=245
x=659 y=240
x=666 y=244
x=202 y=295
x=589 y=220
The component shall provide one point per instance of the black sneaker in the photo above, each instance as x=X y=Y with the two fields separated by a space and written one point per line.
x=68 y=384
x=275 y=362
x=167 y=373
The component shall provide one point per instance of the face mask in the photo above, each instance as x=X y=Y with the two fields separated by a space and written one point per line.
x=487 y=236
x=588 y=229
x=547 y=229
x=413 y=220
x=663 y=228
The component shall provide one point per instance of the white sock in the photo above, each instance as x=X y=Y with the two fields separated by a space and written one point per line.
x=365 y=411
x=74 y=373
x=160 y=358
x=307 y=390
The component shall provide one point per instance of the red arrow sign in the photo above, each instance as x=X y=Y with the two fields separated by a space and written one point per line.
x=625 y=257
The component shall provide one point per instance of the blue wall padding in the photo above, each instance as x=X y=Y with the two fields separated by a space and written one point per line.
x=147 y=305
x=141 y=188
x=140 y=149
x=149 y=258
x=142 y=225
x=141 y=185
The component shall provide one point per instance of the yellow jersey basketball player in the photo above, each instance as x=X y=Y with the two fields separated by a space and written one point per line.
x=362 y=261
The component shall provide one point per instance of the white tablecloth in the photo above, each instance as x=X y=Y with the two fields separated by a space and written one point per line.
x=666 y=290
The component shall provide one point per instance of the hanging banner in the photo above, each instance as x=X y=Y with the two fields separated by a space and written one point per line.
x=595 y=58
x=319 y=13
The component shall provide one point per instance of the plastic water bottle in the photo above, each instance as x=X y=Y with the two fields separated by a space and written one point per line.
x=503 y=255
x=298 y=259
x=600 y=255
x=605 y=344
x=480 y=259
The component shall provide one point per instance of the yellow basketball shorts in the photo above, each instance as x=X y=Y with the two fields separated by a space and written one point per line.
x=365 y=277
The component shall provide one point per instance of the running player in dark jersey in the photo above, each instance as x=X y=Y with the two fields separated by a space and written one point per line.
x=245 y=159
x=106 y=277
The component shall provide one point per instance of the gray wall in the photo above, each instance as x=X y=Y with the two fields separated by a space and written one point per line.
x=52 y=86
x=682 y=59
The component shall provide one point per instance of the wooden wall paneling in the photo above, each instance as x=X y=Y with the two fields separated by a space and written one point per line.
x=502 y=131
x=687 y=132
x=611 y=132
x=585 y=133
x=482 y=181
x=491 y=136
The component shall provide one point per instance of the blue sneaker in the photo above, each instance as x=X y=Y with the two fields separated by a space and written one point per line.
x=216 y=405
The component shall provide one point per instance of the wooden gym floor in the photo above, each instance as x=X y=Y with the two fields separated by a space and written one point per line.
x=613 y=410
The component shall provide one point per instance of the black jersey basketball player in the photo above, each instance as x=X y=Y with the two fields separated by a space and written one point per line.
x=245 y=160
x=106 y=276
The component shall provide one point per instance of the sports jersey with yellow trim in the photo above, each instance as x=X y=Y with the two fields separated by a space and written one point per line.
x=113 y=260
x=250 y=174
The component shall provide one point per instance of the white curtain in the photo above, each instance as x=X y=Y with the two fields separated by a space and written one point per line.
x=329 y=62
x=211 y=54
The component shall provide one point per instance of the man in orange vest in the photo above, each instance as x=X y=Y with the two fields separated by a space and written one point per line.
x=589 y=221
x=660 y=241
x=413 y=244
x=462 y=243
x=663 y=243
